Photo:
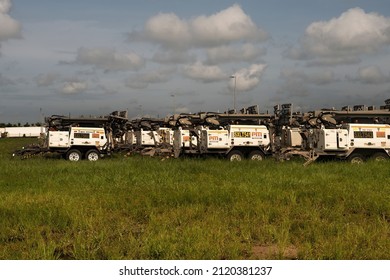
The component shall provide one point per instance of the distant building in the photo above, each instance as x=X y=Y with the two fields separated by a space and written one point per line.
x=32 y=131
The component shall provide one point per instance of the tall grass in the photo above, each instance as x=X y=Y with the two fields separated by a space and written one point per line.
x=148 y=208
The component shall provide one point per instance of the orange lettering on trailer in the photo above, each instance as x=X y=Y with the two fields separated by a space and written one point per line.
x=257 y=134
x=380 y=134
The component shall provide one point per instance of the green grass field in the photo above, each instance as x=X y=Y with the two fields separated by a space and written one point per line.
x=148 y=208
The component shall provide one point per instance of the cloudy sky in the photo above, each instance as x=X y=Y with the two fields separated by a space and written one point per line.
x=153 y=57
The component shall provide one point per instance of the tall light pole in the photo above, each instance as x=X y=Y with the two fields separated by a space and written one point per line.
x=173 y=103
x=234 y=91
x=42 y=122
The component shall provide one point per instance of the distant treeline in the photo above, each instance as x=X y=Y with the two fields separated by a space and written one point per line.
x=19 y=124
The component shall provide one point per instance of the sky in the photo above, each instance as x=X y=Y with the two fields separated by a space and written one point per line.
x=155 y=58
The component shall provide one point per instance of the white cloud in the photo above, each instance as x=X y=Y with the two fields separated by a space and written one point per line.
x=109 y=59
x=227 y=36
x=168 y=30
x=226 y=54
x=370 y=75
x=9 y=27
x=141 y=81
x=227 y=26
x=247 y=78
x=5 y=6
x=204 y=73
x=74 y=87
x=342 y=40
x=44 y=80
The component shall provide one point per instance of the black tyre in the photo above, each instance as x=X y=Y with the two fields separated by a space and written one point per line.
x=235 y=156
x=380 y=156
x=92 y=155
x=256 y=155
x=73 y=155
x=356 y=159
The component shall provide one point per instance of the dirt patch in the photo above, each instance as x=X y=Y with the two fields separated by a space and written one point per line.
x=275 y=252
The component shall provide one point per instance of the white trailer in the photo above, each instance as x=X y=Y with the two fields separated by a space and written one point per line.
x=353 y=141
x=236 y=142
x=79 y=142
x=77 y=138
x=146 y=138
x=153 y=138
x=152 y=142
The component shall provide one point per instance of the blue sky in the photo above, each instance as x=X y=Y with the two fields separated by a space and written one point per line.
x=156 y=57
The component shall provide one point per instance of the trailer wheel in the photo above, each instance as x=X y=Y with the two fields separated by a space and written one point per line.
x=92 y=155
x=380 y=156
x=356 y=159
x=235 y=156
x=256 y=155
x=73 y=155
